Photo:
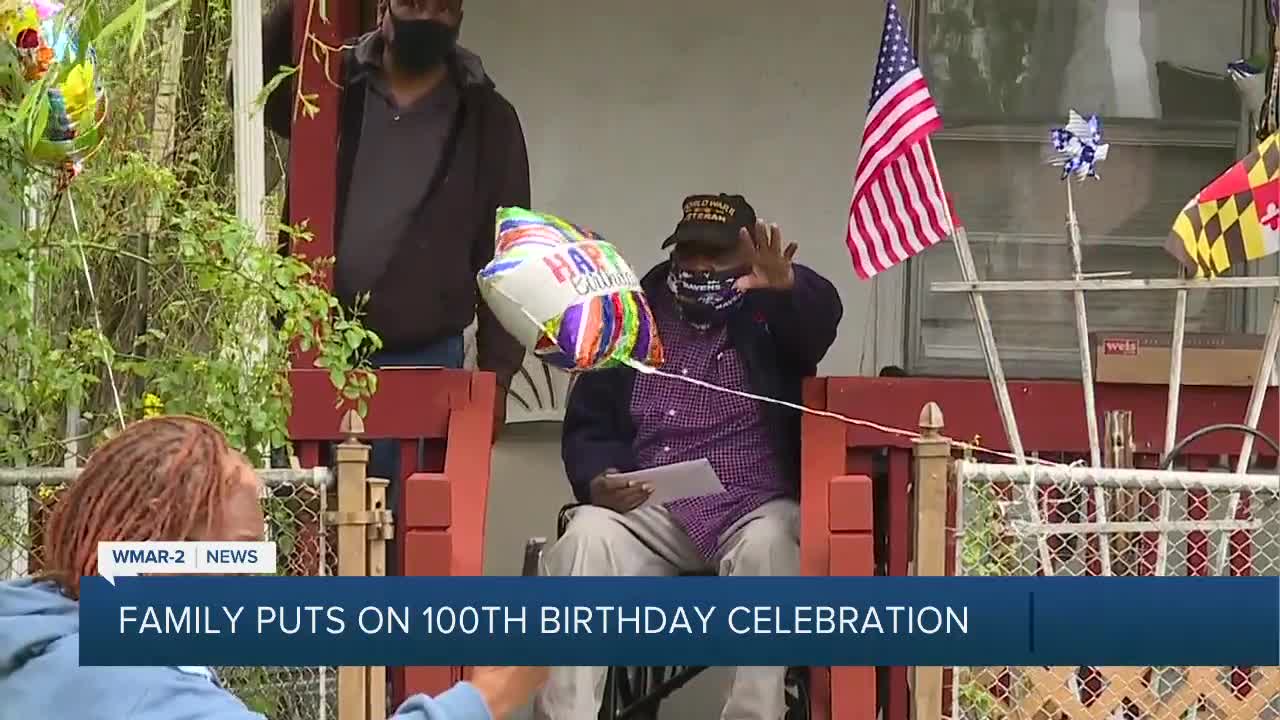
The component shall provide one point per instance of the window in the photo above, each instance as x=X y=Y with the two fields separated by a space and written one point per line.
x=1003 y=73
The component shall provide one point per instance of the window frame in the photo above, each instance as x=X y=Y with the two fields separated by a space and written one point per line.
x=1248 y=315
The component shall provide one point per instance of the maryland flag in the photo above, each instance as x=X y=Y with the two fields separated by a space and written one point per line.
x=1235 y=219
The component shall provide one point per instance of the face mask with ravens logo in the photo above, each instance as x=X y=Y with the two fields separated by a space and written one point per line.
x=705 y=298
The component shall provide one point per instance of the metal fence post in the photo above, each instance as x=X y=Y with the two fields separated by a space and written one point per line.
x=352 y=519
x=380 y=530
x=932 y=460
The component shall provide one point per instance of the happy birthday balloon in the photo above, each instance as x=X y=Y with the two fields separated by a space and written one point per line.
x=43 y=41
x=567 y=295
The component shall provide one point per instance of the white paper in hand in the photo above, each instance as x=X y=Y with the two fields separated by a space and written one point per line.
x=692 y=478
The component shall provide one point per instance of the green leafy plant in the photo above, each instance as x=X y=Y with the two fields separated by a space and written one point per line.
x=984 y=551
x=257 y=688
x=138 y=277
x=979 y=703
x=138 y=271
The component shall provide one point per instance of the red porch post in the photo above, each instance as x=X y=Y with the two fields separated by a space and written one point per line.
x=313 y=156
x=835 y=539
x=440 y=522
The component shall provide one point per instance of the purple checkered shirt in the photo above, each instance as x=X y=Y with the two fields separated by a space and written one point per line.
x=677 y=421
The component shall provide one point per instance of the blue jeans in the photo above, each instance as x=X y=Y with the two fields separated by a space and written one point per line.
x=384 y=455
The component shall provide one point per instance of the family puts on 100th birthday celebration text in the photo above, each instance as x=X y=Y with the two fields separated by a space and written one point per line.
x=564 y=620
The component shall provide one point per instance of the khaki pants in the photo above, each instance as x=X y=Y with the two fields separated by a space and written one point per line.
x=647 y=542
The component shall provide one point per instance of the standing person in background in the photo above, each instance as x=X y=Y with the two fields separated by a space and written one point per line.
x=169 y=479
x=428 y=149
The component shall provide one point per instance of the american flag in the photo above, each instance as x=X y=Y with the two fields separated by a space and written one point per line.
x=898 y=206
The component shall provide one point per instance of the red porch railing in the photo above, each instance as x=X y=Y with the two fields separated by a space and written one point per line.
x=443 y=490
x=845 y=465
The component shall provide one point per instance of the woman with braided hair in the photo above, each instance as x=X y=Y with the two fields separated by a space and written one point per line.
x=163 y=479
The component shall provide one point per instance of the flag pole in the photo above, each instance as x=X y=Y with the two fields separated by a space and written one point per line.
x=986 y=337
x=995 y=369
x=1086 y=375
x=1266 y=366
x=1082 y=332
x=1171 y=414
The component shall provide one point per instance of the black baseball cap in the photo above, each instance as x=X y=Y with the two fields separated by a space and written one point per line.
x=713 y=221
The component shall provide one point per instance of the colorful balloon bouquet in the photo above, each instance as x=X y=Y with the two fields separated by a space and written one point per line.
x=41 y=54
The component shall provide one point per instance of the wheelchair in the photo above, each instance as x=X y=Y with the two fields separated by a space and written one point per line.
x=635 y=693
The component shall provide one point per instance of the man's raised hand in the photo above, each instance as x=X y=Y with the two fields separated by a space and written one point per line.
x=770 y=259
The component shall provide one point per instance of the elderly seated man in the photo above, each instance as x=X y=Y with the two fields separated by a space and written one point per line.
x=732 y=309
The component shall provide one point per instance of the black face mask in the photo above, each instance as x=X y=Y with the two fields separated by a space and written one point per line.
x=421 y=45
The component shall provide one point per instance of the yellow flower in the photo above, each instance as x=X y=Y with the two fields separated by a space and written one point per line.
x=47 y=492
x=152 y=406
x=77 y=91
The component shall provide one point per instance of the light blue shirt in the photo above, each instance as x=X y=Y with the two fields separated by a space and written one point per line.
x=41 y=676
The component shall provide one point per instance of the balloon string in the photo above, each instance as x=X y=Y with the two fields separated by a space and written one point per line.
x=886 y=429
x=97 y=316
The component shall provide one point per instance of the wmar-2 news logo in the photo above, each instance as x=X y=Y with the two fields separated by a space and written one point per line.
x=128 y=559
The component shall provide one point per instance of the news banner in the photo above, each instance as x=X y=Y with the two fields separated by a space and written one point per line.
x=221 y=604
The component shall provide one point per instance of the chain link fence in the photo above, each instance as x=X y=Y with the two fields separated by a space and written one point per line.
x=294 y=503
x=1016 y=521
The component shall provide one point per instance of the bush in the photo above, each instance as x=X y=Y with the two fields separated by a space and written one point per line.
x=136 y=276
